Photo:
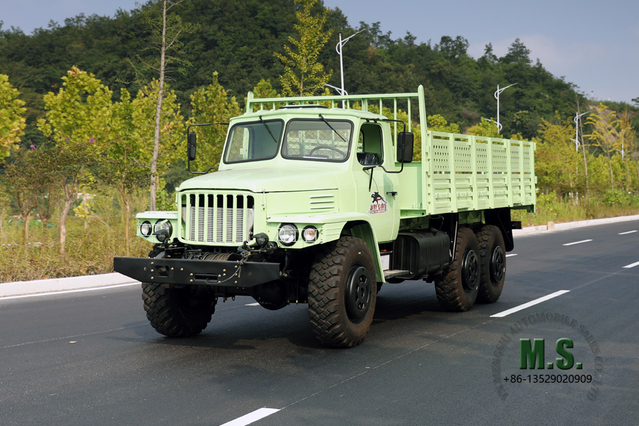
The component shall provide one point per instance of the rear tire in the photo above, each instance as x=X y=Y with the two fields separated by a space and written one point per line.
x=342 y=293
x=492 y=253
x=457 y=289
x=178 y=312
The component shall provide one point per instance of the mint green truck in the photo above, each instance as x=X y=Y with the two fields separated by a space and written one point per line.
x=317 y=200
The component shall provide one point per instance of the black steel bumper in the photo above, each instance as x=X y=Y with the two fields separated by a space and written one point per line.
x=200 y=272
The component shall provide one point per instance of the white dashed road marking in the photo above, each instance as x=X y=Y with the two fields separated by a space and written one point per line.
x=529 y=304
x=252 y=417
x=577 y=242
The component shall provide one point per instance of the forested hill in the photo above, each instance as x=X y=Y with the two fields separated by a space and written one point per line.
x=237 y=38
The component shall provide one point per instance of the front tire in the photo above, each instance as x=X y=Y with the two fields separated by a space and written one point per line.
x=178 y=311
x=457 y=290
x=342 y=293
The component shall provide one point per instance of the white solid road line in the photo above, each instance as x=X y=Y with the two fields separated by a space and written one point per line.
x=577 y=242
x=79 y=290
x=628 y=232
x=252 y=417
x=632 y=265
x=529 y=304
x=511 y=255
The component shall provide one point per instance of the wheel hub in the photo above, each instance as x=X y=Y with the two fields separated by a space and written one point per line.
x=497 y=264
x=358 y=293
x=470 y=270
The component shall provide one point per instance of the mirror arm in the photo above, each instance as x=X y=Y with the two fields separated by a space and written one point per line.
x=370 y=180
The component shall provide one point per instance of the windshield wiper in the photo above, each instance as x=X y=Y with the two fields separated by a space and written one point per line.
x=267 y=128
x=329 y=125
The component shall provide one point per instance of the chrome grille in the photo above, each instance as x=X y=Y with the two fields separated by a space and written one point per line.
x=216 y=218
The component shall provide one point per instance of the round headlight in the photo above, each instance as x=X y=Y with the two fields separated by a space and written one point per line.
x=287 y=234
x=146 y=228
x=309 y=234
x=160 y=225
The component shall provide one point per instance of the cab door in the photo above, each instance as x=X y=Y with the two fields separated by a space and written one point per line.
x=377 y=197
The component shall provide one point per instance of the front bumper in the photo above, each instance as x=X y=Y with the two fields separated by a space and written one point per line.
x=197 y=272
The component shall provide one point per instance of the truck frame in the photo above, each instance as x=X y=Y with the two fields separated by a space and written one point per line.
x=317 y=200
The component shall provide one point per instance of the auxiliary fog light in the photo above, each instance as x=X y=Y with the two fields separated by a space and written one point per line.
x=163 y=230
x=309 y=234
x=146 y=229
x=287 y=234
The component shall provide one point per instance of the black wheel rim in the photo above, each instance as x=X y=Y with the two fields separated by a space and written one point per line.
x=497 y=264
x=470 y=270
x=358 y=293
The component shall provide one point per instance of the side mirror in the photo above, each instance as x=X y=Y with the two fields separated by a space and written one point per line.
x=405 y=141
x=191 y=146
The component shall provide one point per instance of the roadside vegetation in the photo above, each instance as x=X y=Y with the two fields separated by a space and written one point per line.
x=92 y=122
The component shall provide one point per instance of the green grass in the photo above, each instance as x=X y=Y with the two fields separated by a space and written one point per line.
x=88 y=252
x=552 y=209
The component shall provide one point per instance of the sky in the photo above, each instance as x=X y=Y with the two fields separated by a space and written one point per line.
x=591 y=43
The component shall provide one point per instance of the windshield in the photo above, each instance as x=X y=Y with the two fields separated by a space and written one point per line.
x=253 y=141
x=323 y=140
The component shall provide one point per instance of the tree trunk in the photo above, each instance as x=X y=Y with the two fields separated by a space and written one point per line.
x=612 y=179
x=45 y=223
x=127 y=214
x=126 y=232
x=63 y=223
x=69 y=195
x=627 y=174
x=158 y=115
x=25 y=226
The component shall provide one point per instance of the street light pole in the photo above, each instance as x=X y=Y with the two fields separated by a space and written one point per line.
x=339 y=91
x=339 y=47
x=577 y=115
x=497 y=93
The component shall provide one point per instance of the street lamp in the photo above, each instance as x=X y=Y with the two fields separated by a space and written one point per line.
x=338 y=48
x=497 y=93
x=577 y=115
x=339 y=91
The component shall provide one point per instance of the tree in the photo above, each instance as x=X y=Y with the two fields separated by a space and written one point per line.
x=439 y=124
x=303 y=74
x=517 y=53
x=212 y=105
x=486 y=128
x=77 y=121
x=489 y=55
x=453 y=49
x=166 y=36
x=557 y=161
x=171 y=135
x=627 y=141
x=21 y=176
x=605 y=133
x=124 y=164
x=264 y=89
x=12 y=122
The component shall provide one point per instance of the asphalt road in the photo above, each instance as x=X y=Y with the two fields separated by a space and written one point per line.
x=91 y=358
